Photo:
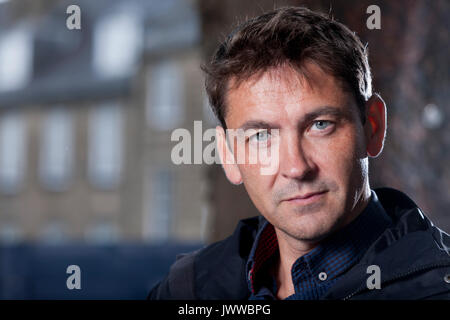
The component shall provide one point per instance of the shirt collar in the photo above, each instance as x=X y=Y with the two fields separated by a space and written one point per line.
x=334 y=256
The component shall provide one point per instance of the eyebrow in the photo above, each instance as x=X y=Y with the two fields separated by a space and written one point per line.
x=258 y=124
x=325 y=110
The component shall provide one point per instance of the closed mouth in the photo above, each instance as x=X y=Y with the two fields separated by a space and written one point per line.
x=306 y=196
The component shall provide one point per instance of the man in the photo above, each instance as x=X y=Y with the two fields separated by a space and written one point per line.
x=300 y=81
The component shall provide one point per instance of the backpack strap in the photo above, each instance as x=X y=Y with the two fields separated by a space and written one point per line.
x=181 y=277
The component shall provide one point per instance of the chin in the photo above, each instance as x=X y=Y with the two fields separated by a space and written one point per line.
x=309 y=228
x=312 y=235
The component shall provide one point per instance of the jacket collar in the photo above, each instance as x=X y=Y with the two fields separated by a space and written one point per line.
x=411 y=243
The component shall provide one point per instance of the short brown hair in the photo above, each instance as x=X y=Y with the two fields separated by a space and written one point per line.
x=293 y=36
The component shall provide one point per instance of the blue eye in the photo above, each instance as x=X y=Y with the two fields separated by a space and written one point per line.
x=260 y=136
x=321 y=124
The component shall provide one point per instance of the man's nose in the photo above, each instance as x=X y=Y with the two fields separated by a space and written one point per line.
x=295 y=162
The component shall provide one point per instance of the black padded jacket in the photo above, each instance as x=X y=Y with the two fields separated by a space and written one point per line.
x=413 y=256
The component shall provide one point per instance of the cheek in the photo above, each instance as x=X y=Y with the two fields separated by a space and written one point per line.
x=338 y=156
x=258 y=186
x=253 y=179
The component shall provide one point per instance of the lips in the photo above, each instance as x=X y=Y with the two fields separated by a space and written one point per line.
x=306 y=196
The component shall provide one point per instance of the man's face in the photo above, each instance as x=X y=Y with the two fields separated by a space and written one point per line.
x=322 y=172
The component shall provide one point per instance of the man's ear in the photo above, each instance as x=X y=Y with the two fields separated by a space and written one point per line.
x=375 y=126
x=227 y=157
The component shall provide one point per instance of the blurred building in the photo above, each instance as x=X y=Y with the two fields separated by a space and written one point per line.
x=86 y=118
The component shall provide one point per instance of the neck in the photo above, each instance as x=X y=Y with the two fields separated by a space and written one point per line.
x=291 y=249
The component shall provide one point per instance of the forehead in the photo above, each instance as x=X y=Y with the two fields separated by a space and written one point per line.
x=283 y=93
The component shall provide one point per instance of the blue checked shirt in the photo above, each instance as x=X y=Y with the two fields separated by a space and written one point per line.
x=314 y=273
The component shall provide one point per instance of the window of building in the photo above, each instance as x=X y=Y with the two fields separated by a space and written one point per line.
x=165 y=107
x=10 y=233
x=16 y=53
x=57 y=149
x=54 y=233
x=13 y=152
x=105 y=149
x=102 y=233
x=117 y=43
x=159 y=206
